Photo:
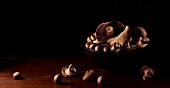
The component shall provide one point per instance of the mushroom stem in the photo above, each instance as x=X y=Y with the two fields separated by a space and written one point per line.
x=70 y=66
x=120 y=40
x=68 y=70
x=124 y=36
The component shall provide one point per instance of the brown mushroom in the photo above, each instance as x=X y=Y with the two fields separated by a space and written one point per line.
x=100 y=81
x=57 y=78
x=88 y=74
x=90 y=40
x=140 y=37
x=147 y=72
x=68 y=71
x=17 y=75
x=129 y=46
x=107 y=29
x=142 y=42
x=104 y=31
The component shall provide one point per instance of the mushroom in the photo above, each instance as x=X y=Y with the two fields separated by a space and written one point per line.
x=120 y=40
x=57 y=78
x=96 y=48
x=147 y=72
x=17 y=75
x=87 y=45
x=88 y=74
x=130 y=47
x=107 y=29
x=68 y=71
x=90 y=40
x=100 y=80
x=142 y=42
x=105 y=47
x=140 y=37
x=96 y=41
x=101 y=32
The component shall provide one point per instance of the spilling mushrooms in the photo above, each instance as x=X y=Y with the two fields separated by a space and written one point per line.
x=147 y=72
x=69 y=71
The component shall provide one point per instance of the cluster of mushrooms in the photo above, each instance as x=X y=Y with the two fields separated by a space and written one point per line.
x=70 y=71
x=114 y=36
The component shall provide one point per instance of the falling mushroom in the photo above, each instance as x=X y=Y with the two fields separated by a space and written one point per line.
x=68 y=71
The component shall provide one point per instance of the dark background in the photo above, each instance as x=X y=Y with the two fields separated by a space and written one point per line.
x=61 y=28
x=52 y=29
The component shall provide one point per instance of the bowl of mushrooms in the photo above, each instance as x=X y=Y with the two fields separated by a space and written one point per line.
x=114 y=44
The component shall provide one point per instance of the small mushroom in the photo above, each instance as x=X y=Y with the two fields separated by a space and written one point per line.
x=141 y=42
x=90 y=40
x=88 y=74
x=140 y=37
x=96 y=41
x=92 y=46
x=130 y=47
x=68 y=71
x=17 y=75
x=57 y=78
x=100 y=80
x=147 y=72
x=96 y=48
x=105 y=47
x=87 y=45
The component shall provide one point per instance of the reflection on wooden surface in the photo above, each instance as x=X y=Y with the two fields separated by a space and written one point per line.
x=38 y=72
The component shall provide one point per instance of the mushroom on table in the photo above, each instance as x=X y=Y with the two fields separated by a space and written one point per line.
x=147 y=72
x=68 y=71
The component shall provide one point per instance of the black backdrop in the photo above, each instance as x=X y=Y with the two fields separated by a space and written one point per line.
x=61 y=28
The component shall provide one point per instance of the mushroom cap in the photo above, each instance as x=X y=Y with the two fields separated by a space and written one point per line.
x=68 y=74
x=104 y=31
x=16 y=75
x=57 y=78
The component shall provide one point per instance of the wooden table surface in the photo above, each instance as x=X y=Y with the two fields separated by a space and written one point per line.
x=38 y=72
